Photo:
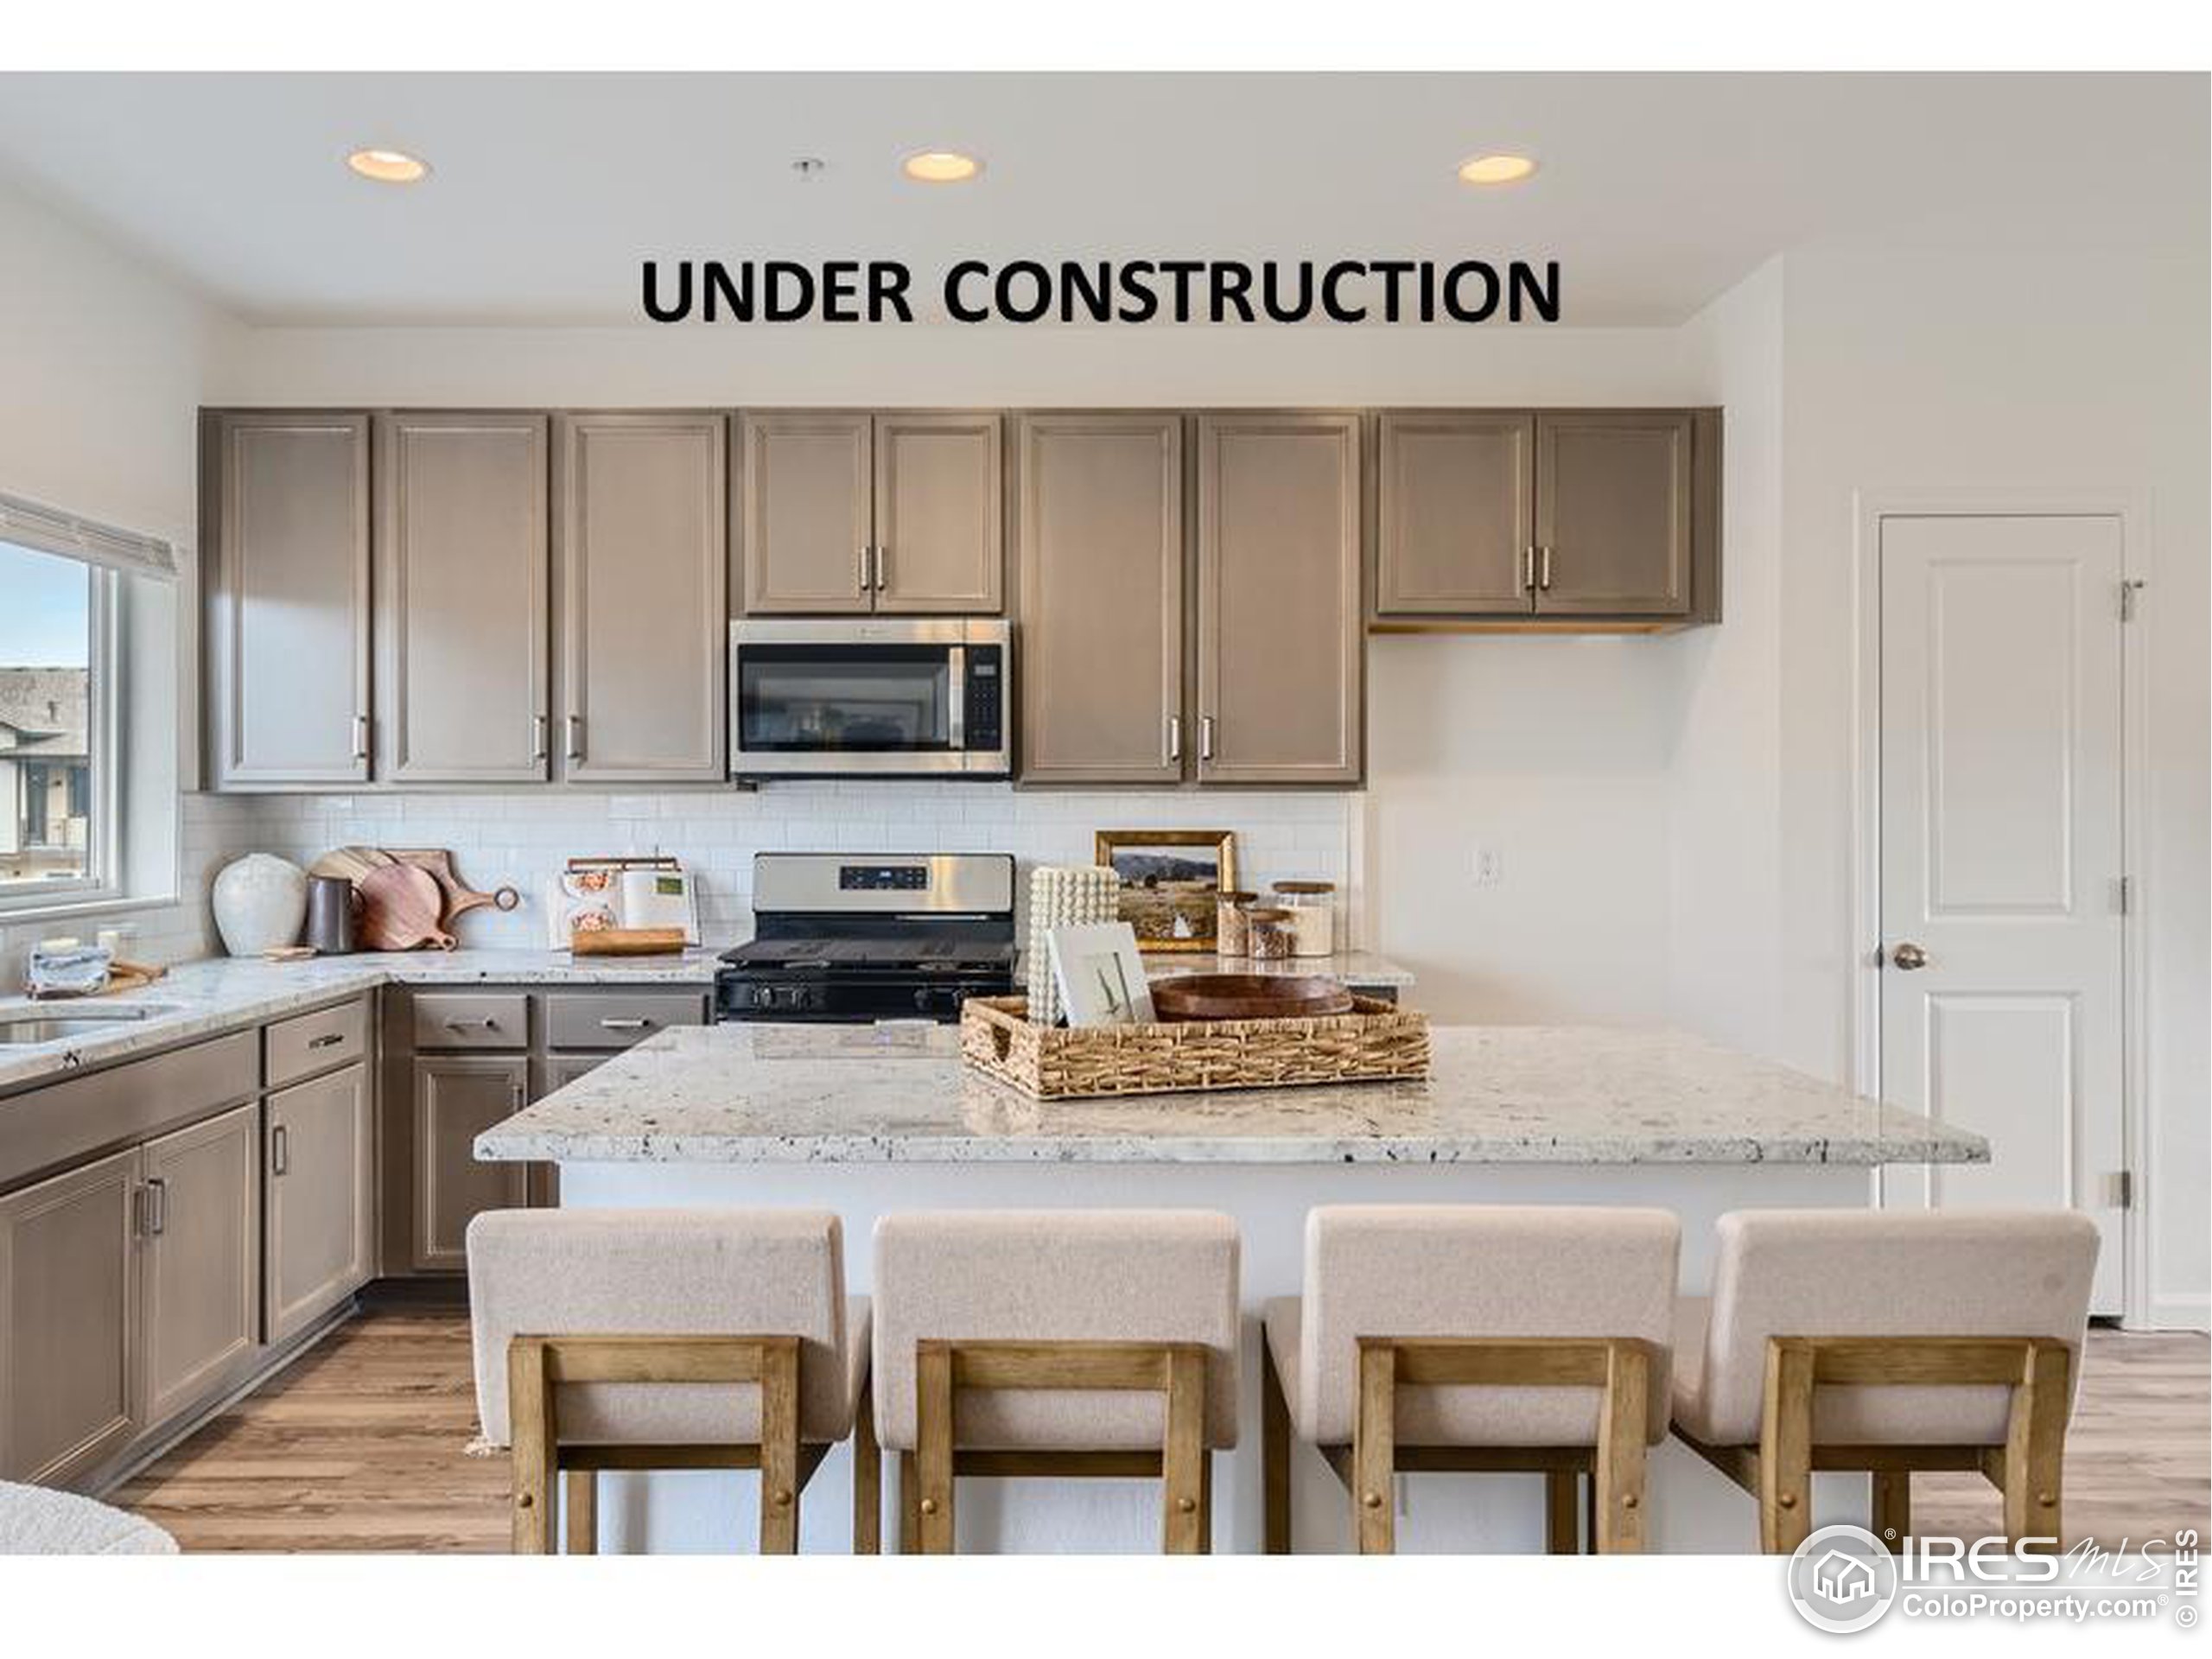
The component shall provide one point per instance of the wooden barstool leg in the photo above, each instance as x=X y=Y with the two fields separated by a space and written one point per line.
x=533 y=1436
x=1183 y=1456
x=580 y=1493
x=2035 y=1445
x=1374 y=1451
x=1786 y=1447
x=933 y=1433
x=1562 y=1522
x=1274 y=1456
x=1618 y=1472
x=868 y=1477
x=1893 y=1508
x=1206 y=1504
x=779 y=1447
x=910 y=1505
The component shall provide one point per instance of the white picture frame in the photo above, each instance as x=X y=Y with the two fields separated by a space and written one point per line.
x=1101 y=974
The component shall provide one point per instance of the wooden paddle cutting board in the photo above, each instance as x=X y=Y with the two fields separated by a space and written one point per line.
x=400 y=908
x=460 y=898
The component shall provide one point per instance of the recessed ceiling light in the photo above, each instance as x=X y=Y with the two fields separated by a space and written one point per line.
x=941 y=167
x=388 y=166
x=1496 y=170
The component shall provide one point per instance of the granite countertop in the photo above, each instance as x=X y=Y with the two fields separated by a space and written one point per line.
x=201 y=999
x=1499 y=1094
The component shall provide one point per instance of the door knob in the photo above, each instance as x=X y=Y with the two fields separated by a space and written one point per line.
x=1908 y=956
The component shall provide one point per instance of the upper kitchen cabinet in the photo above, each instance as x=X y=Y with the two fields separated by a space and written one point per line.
x=1456 y=517
x=846 y=513
x=1280 y=664
x=1098 y=527
x=1568 y=519
x=644 y=572
x=1613 y=494
x=809 y=522
x=461 y=602
x=284 y=505
x=938 y=508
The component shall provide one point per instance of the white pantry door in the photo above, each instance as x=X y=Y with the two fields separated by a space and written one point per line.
x=2001 y=857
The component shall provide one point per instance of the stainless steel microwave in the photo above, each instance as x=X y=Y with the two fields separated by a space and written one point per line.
x=870 y=697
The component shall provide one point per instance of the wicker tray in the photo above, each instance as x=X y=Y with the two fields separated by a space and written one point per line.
x=1375 y=1041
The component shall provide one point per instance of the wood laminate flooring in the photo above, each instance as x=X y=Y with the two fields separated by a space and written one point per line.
x=360 y=1445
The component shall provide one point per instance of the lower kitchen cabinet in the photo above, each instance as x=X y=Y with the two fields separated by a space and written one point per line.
x=320 y=1197
x=199 y=1217
x=457 y=1098
x=69 y=1356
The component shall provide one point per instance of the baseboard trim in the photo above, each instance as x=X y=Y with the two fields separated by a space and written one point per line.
x=2178 y=1313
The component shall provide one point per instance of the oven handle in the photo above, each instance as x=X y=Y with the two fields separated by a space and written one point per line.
x=956 y=714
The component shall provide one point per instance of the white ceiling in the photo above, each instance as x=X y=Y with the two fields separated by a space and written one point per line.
x=1656 y=192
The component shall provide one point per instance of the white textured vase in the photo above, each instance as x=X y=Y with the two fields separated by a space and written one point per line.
x=261 y=902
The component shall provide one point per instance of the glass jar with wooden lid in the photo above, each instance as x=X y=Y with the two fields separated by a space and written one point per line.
x=1271 y=932
x=1231 y=936
x=1313 y=906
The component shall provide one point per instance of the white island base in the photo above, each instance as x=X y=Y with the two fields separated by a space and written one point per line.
x=1693 y=1508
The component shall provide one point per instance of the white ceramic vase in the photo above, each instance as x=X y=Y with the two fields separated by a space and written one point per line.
x=261 y=901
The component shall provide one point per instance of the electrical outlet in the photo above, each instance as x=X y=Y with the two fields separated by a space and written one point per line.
x=1488 y=866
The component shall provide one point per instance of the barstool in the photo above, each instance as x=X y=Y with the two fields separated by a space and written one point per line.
x=1097 y=1343
x=1475 y=1338
x=668 y=1340
x=1889 y=1342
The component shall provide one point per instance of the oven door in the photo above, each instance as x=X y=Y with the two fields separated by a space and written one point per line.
x=831 y=700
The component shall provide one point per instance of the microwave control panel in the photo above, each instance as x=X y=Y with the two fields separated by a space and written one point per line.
x=984 y=694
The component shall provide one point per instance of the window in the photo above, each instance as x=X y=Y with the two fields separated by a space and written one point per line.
x=56 y=754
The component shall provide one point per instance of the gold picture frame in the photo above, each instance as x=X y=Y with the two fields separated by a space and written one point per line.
x=1170 y=909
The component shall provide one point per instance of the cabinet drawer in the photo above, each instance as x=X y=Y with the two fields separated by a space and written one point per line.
x=309 y=1043
x=471 y=1019
x=616 y=1019
x=52 y=1125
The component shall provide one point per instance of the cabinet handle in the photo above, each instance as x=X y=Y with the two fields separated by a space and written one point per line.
x=1175 y=737
x=882 y=563
x=575 y=743
x=280 y=1150
x=514 y=1095
x=329 y=1039
x=1206 y=737
x=867 y=568
x=538 y=737
x=1529 y=569
x=487 y=1023
x=157 y=1206
x=1544 y=566
x=360 y=737
x=612 y=1024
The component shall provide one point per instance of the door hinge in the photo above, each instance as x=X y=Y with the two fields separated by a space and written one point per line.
x=2122 y=1186
x=2126 y=894
x=2131 y=595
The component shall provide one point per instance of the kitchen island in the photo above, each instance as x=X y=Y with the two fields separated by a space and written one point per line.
x=867 y=1120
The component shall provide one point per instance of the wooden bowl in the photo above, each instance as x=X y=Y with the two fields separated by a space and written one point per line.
x=1249 y=996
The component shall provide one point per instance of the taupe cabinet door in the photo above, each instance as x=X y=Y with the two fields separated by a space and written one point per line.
x=287 y=597
x=1100 y=528
x=644 y=564
x=200 y=1215
x=1279 y=682
x=457 y=1096
x=322 y=1197
x=68 y=1321
x=938 y=507
x=462 y=611
x=808 y=515
x=1613 y=514
x=1456 y=520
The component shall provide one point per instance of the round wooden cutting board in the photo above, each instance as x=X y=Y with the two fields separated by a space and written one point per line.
x=401 y=907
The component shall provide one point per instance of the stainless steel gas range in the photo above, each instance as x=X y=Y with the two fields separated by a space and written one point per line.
x=854 y=938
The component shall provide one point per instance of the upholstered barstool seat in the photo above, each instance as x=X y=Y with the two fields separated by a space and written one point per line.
x=1466 y=1338
x=1888 y=1342
x=669 y=1338
x=1056 y=1343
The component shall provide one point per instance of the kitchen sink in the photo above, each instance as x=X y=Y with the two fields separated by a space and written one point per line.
x=23 y=1027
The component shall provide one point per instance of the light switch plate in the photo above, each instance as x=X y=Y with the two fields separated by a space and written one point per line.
x=1488 y=866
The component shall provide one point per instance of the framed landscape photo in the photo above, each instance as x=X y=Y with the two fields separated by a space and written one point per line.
x=1171 y=882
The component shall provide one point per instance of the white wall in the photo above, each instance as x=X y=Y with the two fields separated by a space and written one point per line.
x=102 y=364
